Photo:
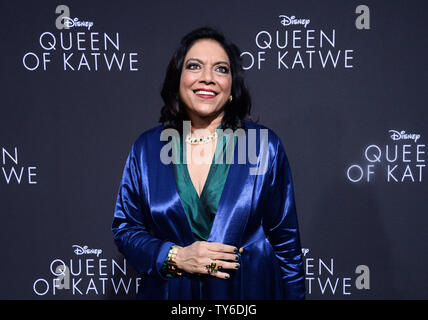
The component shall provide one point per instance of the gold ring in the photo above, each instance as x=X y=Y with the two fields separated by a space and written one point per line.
x=212 y=267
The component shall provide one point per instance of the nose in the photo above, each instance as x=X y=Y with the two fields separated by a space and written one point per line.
x=207 y=76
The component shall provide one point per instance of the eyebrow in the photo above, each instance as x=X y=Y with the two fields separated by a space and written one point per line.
x=200 y=61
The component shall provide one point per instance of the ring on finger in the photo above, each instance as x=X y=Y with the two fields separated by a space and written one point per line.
x=210 y=267
x=213 y=267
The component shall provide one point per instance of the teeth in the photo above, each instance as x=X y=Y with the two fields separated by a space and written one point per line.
x=205 y=92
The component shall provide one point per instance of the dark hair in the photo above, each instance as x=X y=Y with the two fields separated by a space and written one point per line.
x=173 y=112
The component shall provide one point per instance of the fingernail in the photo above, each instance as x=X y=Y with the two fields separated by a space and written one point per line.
x=235 y=250
x=237 y=266
x=236 y=258
x=227 y=276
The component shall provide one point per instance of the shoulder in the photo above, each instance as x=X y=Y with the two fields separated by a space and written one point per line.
x=147 y=139
x=274 y=139
x=274 y=146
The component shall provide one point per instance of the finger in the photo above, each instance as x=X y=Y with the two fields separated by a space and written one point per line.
x=221 y=275
x=224 y=256
x=220 y=247
x=216 y=270
x=208 y=266
x=222 y=265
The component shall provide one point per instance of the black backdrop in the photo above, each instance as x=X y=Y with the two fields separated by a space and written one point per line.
x=345 y=91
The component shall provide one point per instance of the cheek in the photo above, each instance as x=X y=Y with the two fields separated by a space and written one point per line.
x=186 y=81
x=226 y=85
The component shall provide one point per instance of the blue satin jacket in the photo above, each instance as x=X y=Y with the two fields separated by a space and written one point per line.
x=255 y=212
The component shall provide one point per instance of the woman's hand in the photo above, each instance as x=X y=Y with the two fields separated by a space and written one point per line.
x=199 y=255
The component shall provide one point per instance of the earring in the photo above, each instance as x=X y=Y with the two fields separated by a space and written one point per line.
x=230 y=98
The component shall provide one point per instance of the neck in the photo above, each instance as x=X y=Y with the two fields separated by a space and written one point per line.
x=206 y=124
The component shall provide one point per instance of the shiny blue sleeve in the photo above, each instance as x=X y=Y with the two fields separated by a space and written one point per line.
x=145 y=252
x=281 y=225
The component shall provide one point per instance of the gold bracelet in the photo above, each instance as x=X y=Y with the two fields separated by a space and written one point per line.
x=171 y=263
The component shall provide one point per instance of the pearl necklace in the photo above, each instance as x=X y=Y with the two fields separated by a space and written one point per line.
x=203 y=140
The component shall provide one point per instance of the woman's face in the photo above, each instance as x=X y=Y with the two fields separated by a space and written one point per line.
x=206 y=79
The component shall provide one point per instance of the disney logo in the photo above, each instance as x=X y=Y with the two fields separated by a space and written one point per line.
x=69 y=23
x=78 y=250
x=286 y=21
x=396 y=135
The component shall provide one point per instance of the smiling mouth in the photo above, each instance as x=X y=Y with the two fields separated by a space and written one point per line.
x=205 y=94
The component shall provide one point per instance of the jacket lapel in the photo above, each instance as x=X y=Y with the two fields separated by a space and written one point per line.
x=234 y=206
x=165 y=202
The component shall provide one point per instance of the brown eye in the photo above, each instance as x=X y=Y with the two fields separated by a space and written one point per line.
x=223 y=69
x=193 y=66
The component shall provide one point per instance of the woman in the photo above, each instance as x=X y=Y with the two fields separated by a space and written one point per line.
x=216 y=229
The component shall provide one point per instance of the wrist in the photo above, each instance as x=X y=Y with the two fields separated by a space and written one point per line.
x=171 y=261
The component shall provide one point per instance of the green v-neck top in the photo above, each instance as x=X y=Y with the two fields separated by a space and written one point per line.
x=201 y=210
